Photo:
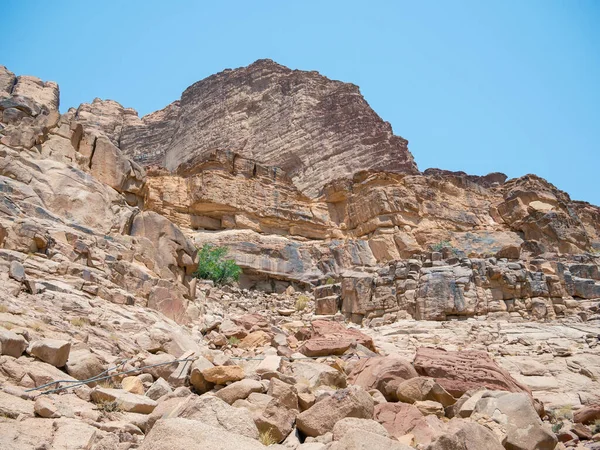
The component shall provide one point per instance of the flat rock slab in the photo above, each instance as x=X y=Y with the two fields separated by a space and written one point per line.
x=126 y=400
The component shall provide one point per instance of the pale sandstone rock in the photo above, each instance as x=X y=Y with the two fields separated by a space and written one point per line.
x=239 y=390
x=183 y=433
x=11 y=406
x=125 y=400
x=133 y=385
x=223 y=374
x=159 y=388
x=344 y=426
x=51 y=351
x=276 y=419
x=82 y=364
x=515 y=411
x=314 y=374
x=45 y=407
x=12 y=344
x=418 y=389
x=467 y=436
x=362 y=439
x=215 y=412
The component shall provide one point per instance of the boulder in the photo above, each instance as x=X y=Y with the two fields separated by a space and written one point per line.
x=333 y=338
x=458 y=372
x=362 y=439
x=12 y=344
x=51 y=351
x=223 y=374
x=588 y=414
x=45 y=407
x=384 y=373
x=215 y=412
x=239 y=390
x=467 y=436
x=16 y=271
x=344 y=426
x=284 y=393
x=420 y=388
x=134 y=385
x=197 y=380
x=516 y=413
x=82 y=364
x=159 y=388
x=170 y=434
x=277 y=420
x=315 y=374
x=125 y=401
x=398 y=418
x=161 y=367
x=323 y=415
x=429 y=407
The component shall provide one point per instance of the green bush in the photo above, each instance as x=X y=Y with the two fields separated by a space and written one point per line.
x=212 y=265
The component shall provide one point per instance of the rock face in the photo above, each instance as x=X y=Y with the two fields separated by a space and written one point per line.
x=314 y=128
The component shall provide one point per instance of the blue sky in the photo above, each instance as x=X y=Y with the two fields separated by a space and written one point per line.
x=479 y=86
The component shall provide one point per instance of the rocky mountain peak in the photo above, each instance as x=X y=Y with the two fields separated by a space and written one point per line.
x=314 y=128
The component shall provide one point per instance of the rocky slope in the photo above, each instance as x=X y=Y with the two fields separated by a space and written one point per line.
x=379 y=307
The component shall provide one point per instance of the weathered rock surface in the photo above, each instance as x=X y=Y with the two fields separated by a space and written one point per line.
x=169 y=434
x=458 y=372
x=307 y=127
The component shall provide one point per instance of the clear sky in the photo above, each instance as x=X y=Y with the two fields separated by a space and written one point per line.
x=479 y=86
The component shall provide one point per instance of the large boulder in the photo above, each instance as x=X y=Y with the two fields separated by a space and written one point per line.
x=277 y=420
x=126 y=401
x=398 y=418
x=314 y=374
x=83 y=364
x=215 y=412
x=171 y=434
x=12 y=344
x=363 y=440
x=344 y=426
x=466 y=436
x=516 y=413
x=458 y=372
x=51 y=351
x=239 y=390
x=383 y=373
x=323 y=415
x=420 y=389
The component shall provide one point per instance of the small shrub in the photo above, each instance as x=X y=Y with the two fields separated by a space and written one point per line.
x=557 y=427
x=302 y=303
x=108 y=407
x=3 y=308
x=108 y=383
x=330 y=281
x=564 y=412
x=267 y=438
x=79 y=322
x=212 y=265
x=440 y=246
x=37 y=326
x=233 y=341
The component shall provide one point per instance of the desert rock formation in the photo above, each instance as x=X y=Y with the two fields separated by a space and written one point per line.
x=379 y=307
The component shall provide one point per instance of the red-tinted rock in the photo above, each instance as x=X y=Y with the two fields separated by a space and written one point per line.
x=333 y=338
x=398 y=418
x=383 y=373
x=587 y=414
x=458 y=372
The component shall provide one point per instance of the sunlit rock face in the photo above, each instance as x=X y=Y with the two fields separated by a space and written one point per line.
x=313 y=128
